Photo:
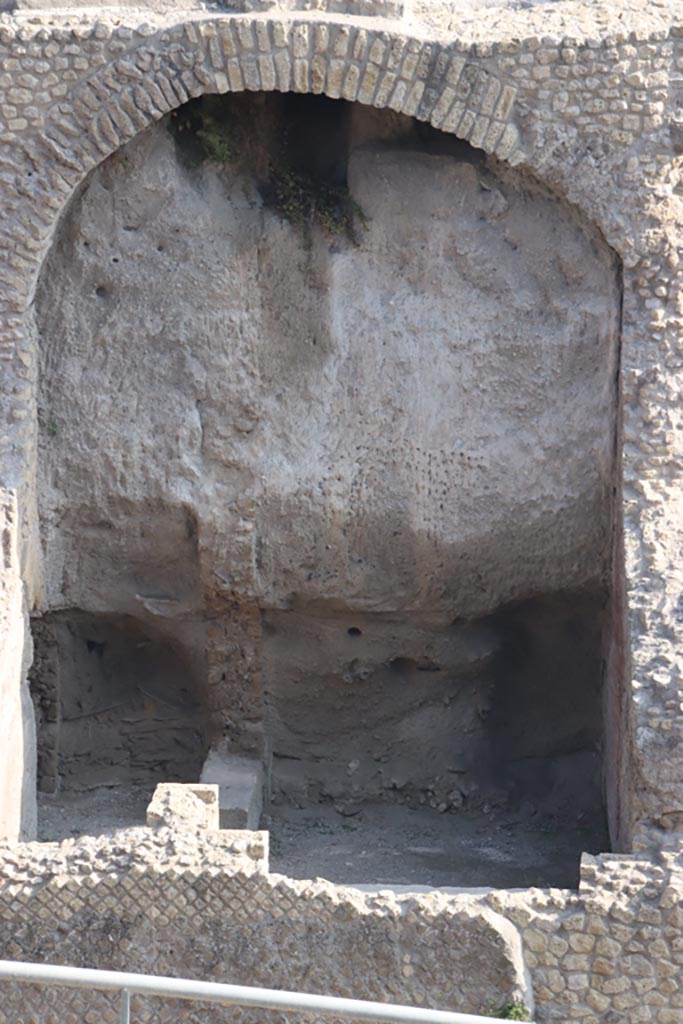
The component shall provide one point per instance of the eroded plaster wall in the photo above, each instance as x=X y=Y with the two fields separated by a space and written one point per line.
x=17 y=727
x=517 y=98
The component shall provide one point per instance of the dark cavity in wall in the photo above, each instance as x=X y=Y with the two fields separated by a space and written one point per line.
x=544 y=727
x=296 y=147
x=503 y=711
x=417 y=752
x=118 y=703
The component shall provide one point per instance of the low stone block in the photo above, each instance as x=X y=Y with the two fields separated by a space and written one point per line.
x=240 y=788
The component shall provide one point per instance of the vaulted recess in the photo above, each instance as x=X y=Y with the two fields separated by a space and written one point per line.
x=327 y=485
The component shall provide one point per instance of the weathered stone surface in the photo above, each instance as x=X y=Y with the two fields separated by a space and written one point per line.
x=590 y=98
x=519 y=93
x=115 y=701
x=373 y=439
x=201 y=903
x=17 y=731
x=183 y=805
x=190 y=904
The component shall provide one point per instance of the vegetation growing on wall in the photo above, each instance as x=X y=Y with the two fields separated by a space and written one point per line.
x=512 y=1011
x=304 y=199
x=207 y=131
x=229 y=131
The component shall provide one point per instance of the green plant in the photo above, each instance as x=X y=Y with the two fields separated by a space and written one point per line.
x=206 y=132
x=49 y=426
x=221 y=130
x=303 y=199
x=514 y=1011
x=218 y=141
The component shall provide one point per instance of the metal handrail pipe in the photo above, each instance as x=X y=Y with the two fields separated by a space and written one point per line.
x=230 y=995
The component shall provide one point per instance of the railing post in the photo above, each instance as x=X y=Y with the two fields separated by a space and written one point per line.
x=124 y=1016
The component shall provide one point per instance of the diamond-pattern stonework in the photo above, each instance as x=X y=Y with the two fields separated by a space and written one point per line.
x=188 y=905
x=184 y=905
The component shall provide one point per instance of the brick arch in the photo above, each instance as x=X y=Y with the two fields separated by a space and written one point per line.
x=452 y=89
x=450 y=86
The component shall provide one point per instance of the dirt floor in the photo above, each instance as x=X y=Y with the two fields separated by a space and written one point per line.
x=371 y=844
x=96 y=812
x=386 y=845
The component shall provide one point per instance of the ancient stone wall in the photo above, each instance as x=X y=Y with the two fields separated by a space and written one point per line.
x=203 y=905
x=418 y=407
x=17 y=730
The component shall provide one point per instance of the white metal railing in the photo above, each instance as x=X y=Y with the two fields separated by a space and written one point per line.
x=225 y=995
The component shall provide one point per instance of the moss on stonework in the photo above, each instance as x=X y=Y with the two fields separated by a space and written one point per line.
x=512 y=1010
x=205 y=134
x=229 y=131
x=304 y=199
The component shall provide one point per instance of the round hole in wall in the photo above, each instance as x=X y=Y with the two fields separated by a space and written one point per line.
x=100 y=291
x=354 y=631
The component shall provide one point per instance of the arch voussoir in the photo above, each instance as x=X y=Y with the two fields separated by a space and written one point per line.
x=447 y=87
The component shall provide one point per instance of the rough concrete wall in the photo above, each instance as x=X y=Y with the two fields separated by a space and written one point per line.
x=202 y=905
